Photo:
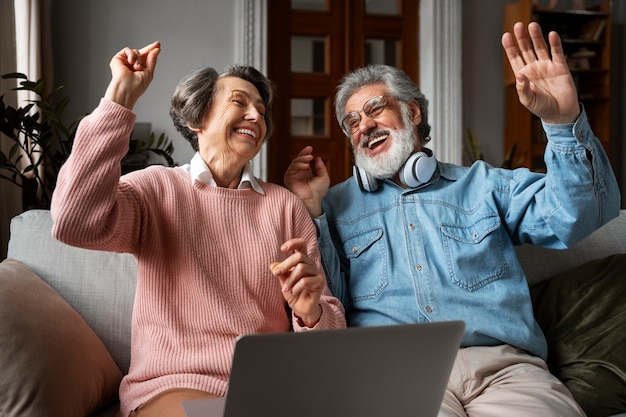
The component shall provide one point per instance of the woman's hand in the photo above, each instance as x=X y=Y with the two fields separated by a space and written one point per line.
x=301 y=282
x=132 y=70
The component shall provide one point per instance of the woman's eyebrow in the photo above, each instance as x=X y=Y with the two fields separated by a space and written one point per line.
x=245 y=93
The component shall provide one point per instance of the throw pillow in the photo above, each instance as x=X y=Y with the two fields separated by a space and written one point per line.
x=52 y=364
x=583 y=315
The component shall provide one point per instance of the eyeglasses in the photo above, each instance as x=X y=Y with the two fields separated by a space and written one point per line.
x=372 y=108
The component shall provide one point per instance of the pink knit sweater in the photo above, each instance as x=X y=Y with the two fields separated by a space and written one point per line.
x=203 y=255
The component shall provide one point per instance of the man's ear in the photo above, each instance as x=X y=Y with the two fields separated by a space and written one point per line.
x=415 y=112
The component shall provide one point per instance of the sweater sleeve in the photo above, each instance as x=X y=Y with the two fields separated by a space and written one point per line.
x=333 y=313
x=90 y=207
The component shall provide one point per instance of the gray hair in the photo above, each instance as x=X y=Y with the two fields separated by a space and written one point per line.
x=400 y=87
x=195 y=92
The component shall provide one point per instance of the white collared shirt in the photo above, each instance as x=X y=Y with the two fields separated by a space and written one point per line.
x=199 y=171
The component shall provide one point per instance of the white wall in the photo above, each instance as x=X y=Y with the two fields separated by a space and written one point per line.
x=194 y=33
x=483 y=98
x=86 y=34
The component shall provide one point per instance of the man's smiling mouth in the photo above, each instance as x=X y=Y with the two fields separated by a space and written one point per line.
x=375 y=140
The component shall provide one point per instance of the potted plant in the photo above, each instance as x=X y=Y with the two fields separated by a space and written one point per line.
x=33 y=164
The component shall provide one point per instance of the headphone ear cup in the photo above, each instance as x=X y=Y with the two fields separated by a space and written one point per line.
x=418 y=169
x=365 y=180
x=425 y=167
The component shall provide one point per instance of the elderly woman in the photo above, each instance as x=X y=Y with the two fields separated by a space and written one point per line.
x=220 y=253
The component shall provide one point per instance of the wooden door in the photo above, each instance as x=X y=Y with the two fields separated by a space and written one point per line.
x=311 y=45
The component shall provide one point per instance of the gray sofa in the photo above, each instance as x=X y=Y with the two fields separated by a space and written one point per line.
x=100 y=287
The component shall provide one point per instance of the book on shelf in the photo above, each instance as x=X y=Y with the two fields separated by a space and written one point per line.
x=580 y=59
x=592 y=30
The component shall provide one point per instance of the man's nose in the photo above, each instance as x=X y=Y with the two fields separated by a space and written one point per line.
x=366 y=124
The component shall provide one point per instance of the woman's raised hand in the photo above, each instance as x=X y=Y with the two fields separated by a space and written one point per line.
x=132 y=71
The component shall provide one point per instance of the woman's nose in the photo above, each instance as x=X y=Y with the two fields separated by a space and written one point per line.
x=253 y=114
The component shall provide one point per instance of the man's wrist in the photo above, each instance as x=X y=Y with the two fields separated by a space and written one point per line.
x=314 y=208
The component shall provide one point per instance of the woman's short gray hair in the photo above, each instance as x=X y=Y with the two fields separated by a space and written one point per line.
x=195 y=92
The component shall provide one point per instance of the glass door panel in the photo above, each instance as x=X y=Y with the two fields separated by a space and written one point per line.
x=385 y=7
x=310 y=5
x=307 y=54
x=381 y=51
x=308 y=117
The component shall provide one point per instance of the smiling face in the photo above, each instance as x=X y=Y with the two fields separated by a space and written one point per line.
x=382 y=143
x=234 y=126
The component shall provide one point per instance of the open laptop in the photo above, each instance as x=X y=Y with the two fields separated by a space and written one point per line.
x=399 y=370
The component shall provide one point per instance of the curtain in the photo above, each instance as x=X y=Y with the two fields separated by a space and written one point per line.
x=11 y=201
x=25 y=47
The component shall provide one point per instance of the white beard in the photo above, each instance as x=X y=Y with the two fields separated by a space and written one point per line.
x=389 y=163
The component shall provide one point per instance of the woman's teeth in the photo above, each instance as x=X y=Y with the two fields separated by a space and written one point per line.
x=246 y=132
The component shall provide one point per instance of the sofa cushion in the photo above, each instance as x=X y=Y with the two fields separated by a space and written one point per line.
x=99 y=285
x=52 y=363
x=583 y=315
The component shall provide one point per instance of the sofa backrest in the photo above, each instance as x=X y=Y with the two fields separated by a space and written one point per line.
x=100 y=286
x=540 y=264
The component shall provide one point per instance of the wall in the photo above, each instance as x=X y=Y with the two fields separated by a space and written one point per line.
x=483 y=100
x=196 y=33
x=86 y=34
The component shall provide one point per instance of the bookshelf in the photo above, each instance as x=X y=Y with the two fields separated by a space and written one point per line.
x=586 y=38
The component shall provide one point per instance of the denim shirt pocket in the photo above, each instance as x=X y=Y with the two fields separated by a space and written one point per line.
x=475 y=252
x=367 y=255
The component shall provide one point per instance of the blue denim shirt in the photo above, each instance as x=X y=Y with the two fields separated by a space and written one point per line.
x=445 y=251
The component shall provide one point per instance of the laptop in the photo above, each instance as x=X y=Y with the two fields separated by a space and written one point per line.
x=396 y=370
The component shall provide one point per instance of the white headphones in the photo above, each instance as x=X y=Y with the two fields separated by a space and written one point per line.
x=417 y=170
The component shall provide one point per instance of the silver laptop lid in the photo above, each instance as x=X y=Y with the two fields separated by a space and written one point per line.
x=396 y=371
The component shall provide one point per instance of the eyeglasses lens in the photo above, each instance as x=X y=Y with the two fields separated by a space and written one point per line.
x=372 y=108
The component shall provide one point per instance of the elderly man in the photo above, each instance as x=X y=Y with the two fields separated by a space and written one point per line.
x=409 y=239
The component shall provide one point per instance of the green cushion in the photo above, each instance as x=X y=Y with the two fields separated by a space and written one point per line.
x=583 y=315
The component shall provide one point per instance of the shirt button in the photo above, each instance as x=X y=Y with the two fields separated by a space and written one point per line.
x=429 y=309
x=418 y=267
x=474 y=235
x=354 y=249
x=412 y=226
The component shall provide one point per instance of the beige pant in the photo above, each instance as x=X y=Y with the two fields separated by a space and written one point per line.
x=497 y=381
x=168 y=403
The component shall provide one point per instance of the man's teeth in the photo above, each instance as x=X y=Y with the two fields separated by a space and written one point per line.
x=375 y=141
x=246 y=132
